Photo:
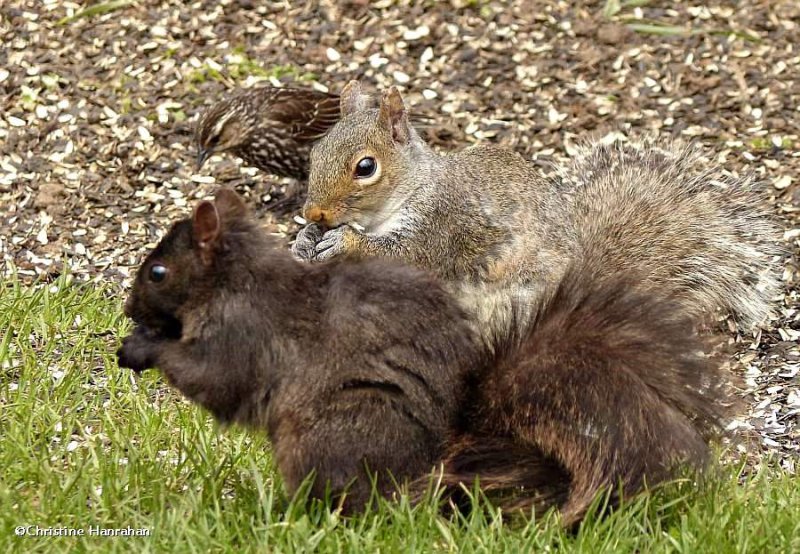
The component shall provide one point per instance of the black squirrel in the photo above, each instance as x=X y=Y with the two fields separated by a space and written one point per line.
x=347 y=367
x=355 y=366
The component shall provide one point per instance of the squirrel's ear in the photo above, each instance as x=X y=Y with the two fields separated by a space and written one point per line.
x=394 y=116
x=206 y=228
x=229 y=205
x=352 y=99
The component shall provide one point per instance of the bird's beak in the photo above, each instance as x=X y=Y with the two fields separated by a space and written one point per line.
x=202 y=156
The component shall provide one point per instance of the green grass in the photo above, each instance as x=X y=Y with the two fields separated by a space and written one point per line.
x=95 y=10
x=765 y=143
x=617 y=9
x=84 y=443
x=613 y=7
x=239 y=67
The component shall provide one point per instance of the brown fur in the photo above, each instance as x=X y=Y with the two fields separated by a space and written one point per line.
x=350 y=368
x=608 y=390
x=370 y=366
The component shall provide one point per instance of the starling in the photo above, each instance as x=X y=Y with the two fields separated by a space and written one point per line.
x=270 y=128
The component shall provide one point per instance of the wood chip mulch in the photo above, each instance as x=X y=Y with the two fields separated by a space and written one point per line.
x=98 y=103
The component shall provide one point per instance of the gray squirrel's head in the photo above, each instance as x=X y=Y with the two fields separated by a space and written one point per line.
x=360 y=161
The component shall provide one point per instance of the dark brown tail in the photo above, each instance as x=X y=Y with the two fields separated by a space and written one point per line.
x=609 y=389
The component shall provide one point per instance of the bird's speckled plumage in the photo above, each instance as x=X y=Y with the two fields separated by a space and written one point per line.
x=270 y=128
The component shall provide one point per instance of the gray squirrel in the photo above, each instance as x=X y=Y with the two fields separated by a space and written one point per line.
x=369 y=368
x=500 y=233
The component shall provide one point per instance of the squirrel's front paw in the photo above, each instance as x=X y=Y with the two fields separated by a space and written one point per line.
x=138 y=350
x=342 y=240
x=305 y=245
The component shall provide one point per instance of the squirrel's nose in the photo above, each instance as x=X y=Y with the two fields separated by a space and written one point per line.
x=315 y=214
x=128 y=309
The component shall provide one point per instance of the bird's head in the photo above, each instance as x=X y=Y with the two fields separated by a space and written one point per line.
x=221 y=128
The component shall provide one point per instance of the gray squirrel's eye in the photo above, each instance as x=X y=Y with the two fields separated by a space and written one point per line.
x=366 y=167
x=158 y=272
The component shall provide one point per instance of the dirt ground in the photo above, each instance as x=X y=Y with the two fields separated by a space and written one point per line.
x=98 y=104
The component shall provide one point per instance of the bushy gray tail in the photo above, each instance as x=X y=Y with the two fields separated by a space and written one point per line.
x=661 y=209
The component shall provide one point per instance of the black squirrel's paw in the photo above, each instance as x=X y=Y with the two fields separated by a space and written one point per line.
x=304 y=246
x=138 y=350
x=336 y=242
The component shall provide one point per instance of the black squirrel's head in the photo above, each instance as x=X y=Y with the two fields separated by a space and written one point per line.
x=359 y=162
x=183 y=265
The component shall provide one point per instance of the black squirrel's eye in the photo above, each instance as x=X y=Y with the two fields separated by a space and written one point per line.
x=158 y=273
x=366 y=167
